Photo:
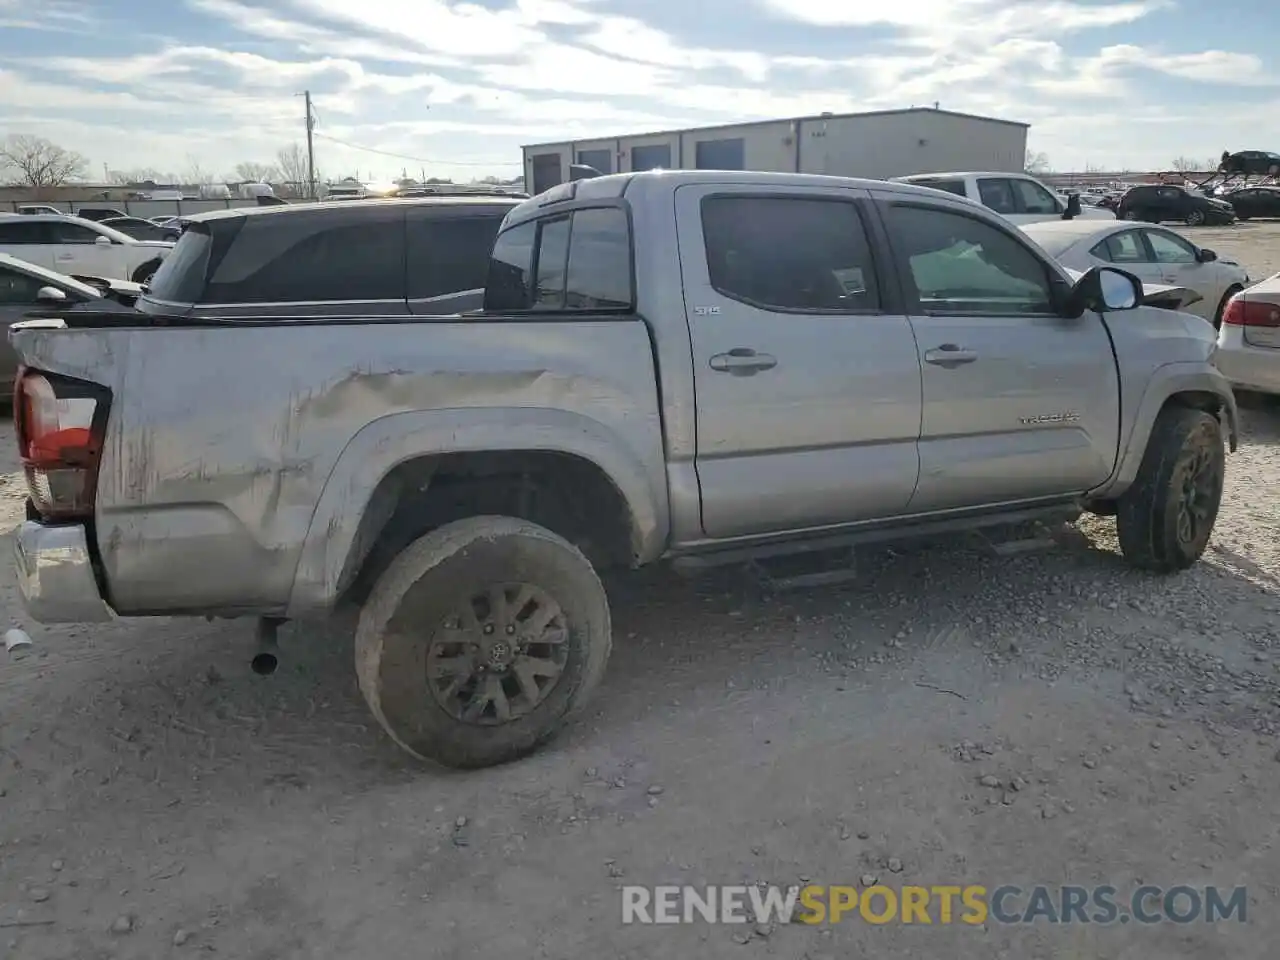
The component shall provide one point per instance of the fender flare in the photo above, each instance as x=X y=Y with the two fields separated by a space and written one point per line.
x=383 y=444
x=1168 y=381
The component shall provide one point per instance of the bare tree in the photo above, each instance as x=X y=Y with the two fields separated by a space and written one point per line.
x=1190 y=165
x=1037 y=162
x=252 y=172
x=139 y=175
x=195 y=173
x=39 y=162
x=291 y=161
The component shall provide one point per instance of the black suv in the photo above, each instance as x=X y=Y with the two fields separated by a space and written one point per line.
x=350 y=259
x=1157 y=203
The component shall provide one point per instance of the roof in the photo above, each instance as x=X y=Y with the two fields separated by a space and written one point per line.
x=257 y=211
x=622 y=184
x=1057 y=235
x=1003 y=174
x=765 y=123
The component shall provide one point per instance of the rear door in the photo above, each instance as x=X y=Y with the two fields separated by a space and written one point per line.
x=1018 y=402
x=77 y=251
x=29 y=240
x=805 y=367
x=1129 y=251
x=447 y=257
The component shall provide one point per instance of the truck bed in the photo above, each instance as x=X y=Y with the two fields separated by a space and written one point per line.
x=241 y=455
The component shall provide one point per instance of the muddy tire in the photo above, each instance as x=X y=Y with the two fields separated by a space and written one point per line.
x=480 y=640
x=1165 y=519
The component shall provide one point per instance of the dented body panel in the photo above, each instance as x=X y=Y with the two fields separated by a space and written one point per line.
x=239 y=461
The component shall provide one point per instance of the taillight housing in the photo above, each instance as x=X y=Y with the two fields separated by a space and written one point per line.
x=60 y=425
x=1250 y=313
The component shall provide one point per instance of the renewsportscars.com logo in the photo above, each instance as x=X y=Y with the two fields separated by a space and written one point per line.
x=942 y=904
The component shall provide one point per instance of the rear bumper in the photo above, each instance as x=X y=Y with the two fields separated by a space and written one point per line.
x=55 y=574
x=1247 y=367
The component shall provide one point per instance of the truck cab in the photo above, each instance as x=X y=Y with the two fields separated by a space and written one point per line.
x=1018 y=197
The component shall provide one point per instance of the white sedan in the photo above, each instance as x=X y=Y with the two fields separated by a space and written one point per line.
x=74 y=246
x=1152 y=253
x=1249 y=339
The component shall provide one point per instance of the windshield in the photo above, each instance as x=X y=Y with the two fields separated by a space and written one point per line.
x=181 y=276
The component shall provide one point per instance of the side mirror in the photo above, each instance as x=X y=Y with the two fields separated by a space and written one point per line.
x=1104 y=290
x=51 y=295
x=1205 y=255
x=1073 y=207
x=102 y=241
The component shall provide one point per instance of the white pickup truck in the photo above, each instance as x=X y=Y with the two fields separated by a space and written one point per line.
x=1017 y=197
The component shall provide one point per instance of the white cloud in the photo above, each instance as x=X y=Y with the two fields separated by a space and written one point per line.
x=456 y=81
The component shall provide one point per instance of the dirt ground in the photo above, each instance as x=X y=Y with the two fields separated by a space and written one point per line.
x=157 y=799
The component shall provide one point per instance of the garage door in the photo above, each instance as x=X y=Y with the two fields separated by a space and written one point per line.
x=720 y=155
x=601 y=160
x=650 y=158
x=546 y=171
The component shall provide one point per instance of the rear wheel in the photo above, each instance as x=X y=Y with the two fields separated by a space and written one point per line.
x=480 y=640
x=1165 y=518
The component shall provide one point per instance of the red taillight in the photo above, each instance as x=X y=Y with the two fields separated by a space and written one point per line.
x=59 y=424
x=1251 y=313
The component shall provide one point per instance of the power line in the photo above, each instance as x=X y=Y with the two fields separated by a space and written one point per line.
x=420 y=160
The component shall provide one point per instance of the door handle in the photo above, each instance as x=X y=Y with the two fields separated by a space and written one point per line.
x=949 y=355
x=742 y=362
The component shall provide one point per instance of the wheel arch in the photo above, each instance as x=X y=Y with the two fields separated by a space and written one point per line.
x=397 y=458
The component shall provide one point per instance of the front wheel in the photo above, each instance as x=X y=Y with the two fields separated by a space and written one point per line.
x=1165 y=519
x=1131 y=215
x=145 y=272
x=480 y=640
x=1195 y=218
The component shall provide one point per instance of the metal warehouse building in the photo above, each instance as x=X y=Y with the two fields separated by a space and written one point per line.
x=888 y=143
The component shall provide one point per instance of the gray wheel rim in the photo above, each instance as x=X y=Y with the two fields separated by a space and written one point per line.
x=499 y=655
x=1197 y=495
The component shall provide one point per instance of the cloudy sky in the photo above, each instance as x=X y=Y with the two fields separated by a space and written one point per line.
x=455 y=88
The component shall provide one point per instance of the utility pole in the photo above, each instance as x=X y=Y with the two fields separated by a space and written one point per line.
x=311 y=149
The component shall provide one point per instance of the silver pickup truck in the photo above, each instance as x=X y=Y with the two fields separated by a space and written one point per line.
x=701 y=367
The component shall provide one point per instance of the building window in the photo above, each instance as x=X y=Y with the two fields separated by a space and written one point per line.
x=720 y=155
x=651 y=158
x=601 y=160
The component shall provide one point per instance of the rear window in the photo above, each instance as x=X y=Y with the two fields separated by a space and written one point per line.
x=576 y=261
x=288 y=258
x=180 y=278
x=950 y=186
x=448 y=255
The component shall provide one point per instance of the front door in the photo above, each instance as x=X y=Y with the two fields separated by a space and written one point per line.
x=1177 y=263
x=1129 y=251
x=805 y=368
x=1019 y=403
x=77 y=251
x=29 y=239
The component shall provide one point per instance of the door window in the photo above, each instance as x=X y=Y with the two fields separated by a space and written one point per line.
x=64 y=232
x=1168 y=248
x=581 y=261
x=18 y=288
x=21 y=232
x=998 y=195
x=1124 y=247
x=1034 y=198
x=281 y=258
x=448 y=255
x=961 y=265
x=790 y=254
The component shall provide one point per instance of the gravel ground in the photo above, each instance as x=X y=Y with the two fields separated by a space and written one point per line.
x=952 y=717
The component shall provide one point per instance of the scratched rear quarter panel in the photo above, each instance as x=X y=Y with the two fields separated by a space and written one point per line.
x=221 y=439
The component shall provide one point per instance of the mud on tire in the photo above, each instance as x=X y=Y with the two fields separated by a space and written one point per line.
x=1165 y=519
x=452 y=652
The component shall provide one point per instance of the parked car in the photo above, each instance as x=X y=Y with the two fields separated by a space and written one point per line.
x=353 y=258
x=1018 y=197
x=99 y=213
x=141 y=229
x=75 y=246
x=1256 y=163
x=31 y=209
x=1154 y=254
x=1255 y=203
x=1249 y=339
x=1156 y=203
x=27 y=287
x=664 y=368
